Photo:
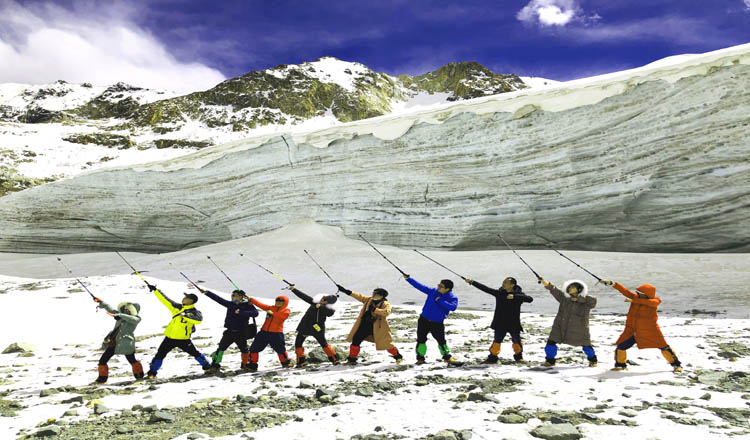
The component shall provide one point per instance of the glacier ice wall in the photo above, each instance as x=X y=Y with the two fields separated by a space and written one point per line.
x=657 y=166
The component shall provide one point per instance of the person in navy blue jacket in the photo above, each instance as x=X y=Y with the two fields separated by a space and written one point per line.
x=440 y=302
x=239 y=312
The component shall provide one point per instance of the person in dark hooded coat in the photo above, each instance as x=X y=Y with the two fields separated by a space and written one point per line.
x=509 y=298
x=571 y=325
x=236 y=323
x=313 y=324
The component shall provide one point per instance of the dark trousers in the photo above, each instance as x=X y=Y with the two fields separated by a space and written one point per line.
x=364 y=331
x=236 y=337
x=319 y=336
x=110 y=351
x=426 y=327
x=169 y=344
x=515 y=336
x=263 y=339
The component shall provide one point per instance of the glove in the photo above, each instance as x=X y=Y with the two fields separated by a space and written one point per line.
x=151 y=287
x=342 y=289
x=468 y=280
x=97 y=300
x=607 y=282
x=406 y=276
x=545 y=283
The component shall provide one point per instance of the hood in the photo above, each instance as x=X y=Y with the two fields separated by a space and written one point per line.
x=582 y=294
x=132 y=308
x=316 y=300
x=286 y=301
x=648 y=289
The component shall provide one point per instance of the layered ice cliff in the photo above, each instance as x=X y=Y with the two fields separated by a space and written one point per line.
x=649 y=160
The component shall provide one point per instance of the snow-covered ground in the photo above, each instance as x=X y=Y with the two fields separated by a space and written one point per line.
x=709 y=400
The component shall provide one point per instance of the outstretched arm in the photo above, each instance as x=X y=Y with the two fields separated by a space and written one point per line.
x=485 y=289
x=260 y=304
x=173 y=307
x=250 y=312
x=359 y=297
x=556 y=293
x=218 y=299
x=624 y=290
x=302 y=295
x=421 y=287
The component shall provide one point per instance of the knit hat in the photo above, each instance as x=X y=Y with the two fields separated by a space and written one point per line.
x=331 y=299
x=447 y=283
x=380 y=291
x=647 y=289
x=192 y=296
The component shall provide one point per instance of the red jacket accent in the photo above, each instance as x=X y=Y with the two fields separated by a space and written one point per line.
x=642 y=317
x=274 y=322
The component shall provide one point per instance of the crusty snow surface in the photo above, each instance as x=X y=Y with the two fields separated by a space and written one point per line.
x=59 y=318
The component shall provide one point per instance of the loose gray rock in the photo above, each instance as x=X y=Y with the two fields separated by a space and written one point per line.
x=480 y=397
x=70 y=413
x=49 y=431
x=305 y=384
x=561 y=431
x=47 y=392
x=364 y=392
x=162 y=416
x=100 y=409
x=511 y=418
x=19 y=347
x=706 y=396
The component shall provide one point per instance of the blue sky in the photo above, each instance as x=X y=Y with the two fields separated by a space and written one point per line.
x=200 y=42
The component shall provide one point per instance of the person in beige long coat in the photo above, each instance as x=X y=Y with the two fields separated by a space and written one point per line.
x=372 y=324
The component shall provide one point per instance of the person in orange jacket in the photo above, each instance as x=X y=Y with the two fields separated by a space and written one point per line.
x=272 y=331
x=641 y=327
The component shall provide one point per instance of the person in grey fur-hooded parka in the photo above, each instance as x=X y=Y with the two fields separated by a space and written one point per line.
x=121 y=339
x=571 y=325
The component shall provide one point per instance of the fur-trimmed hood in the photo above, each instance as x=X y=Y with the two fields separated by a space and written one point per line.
x=583 y=292
x=133 y=308
x=316 y=300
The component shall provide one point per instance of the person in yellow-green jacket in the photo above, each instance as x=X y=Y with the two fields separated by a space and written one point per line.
x=177 y=334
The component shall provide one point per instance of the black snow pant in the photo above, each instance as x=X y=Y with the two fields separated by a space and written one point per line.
x=426 y=327
x=233 y=337
x=364 y=330
x=320 y=337
x=110 y=351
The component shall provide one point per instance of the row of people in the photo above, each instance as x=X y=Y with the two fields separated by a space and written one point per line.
x=570 y=326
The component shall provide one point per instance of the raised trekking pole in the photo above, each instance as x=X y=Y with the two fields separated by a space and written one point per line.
x=321 y=268
x=449 y=270
x=222 y=272
x=564 y=256
x=131 y=266
x=538 y=278
x=277 y=276
x=381 y=254
x=76 y=278
x=185 y=276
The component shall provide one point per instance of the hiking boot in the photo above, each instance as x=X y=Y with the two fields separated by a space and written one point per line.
x=548 y=364
x=616 y=368
x=245 y=367
x=398 y=358
x=334 y=360
x=103 y=374
x=518 y=357
x=421 y=361
x=491 y=359
x=252 y=367
x=151 y=374
x=287 y=364
x=450 y=360
x=301 y=362
x=351 y=361
x=677 y=369
x=593 y=364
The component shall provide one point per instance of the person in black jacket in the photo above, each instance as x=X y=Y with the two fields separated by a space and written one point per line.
x=507 y=319
x=239 y=312
x=313 y=324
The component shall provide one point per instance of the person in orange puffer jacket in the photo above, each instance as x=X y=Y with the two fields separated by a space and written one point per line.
x=641 y=327
x=272 y=332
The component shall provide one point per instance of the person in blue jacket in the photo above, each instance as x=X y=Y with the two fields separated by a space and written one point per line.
x=439 y=303
x=236 y=322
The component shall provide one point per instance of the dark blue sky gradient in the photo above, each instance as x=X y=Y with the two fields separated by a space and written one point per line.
x=417 y=36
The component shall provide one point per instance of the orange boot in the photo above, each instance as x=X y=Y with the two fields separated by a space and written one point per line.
x=103 y=374
x=331 y=353
x=301 y=359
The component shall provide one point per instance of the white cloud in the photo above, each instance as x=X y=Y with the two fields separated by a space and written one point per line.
x=47 y=43
x=549 y=12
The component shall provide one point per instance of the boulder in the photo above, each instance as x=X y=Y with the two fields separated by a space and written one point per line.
x=560 y=431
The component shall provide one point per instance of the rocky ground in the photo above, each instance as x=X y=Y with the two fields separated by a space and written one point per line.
x=45 y=389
